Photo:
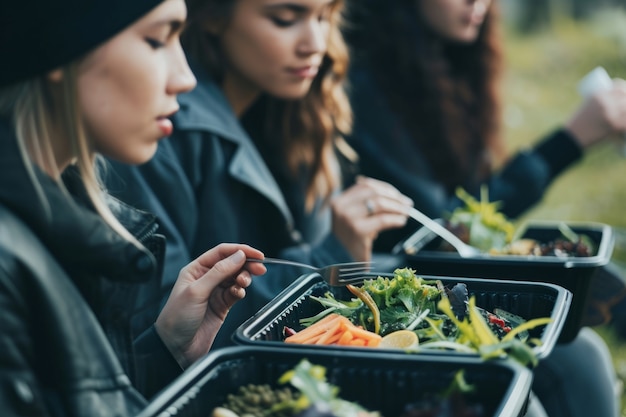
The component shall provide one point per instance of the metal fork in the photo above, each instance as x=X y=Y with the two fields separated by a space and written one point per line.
x=464 y=250
x=336 y=275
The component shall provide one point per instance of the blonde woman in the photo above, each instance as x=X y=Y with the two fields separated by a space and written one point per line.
x=71 y=258
x=257 y=150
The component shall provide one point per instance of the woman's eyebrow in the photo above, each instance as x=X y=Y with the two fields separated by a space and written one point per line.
x=177 y=26
x=174 y=25
x=296 y=8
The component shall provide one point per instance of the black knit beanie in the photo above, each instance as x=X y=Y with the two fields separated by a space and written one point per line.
x=37 y=36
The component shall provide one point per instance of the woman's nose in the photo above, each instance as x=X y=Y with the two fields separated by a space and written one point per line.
x=314 y=38
x=181 y=79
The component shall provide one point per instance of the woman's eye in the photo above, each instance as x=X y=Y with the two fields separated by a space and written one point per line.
x=281 y=22
x=155 y=44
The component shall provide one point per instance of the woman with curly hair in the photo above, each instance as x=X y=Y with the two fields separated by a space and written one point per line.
x=426 y=95
x=257 y=149
x=425 y=90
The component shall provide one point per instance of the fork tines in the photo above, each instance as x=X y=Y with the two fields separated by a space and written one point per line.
x=353 y=272
x=351 y=279
x=355 y=265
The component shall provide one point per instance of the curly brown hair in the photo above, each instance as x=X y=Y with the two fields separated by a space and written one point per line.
x=446 y=94
x=307 y=129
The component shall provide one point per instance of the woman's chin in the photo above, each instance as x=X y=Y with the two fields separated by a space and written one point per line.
x=467 y=36
x=144 y=156
x=293 y=92
x=138 y=157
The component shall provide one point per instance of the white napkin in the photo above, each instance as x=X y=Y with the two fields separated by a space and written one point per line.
x=597 y=80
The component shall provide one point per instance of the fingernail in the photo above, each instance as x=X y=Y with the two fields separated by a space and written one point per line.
x=237 y=256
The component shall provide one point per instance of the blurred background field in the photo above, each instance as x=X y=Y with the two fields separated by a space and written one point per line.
x=547 y=53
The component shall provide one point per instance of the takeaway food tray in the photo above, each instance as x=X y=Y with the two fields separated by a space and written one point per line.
x=526 y=299
x=572 y=273
x=384 y=383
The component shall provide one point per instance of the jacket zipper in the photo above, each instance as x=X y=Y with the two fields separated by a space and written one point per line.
x=149 y=232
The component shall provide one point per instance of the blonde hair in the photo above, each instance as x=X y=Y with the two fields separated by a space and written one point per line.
x=312 y=127
x=29 y=105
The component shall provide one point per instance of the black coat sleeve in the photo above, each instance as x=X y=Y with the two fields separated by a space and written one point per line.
x=525 y=179
x=156 y=367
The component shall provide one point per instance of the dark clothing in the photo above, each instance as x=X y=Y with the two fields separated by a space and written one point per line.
x=387 y=152
x=208 y=184
x=66 y=279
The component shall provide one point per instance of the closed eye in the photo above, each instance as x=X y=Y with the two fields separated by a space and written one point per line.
x=155 y=44
x=283 y=22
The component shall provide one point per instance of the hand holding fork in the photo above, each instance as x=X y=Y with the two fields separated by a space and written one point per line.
x=336 y=275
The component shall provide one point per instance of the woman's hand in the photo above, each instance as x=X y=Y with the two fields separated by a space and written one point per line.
x=600 y=116
x=203 y=294
x=364 y=210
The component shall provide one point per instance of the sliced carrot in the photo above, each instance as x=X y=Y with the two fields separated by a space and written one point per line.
x=314 y=330
x=345 y=338
x=335 y=329
x=345 y=322
x=313 y=340
x=335 y=338
x=365 y=334
x=373 y=343
x=325 y=338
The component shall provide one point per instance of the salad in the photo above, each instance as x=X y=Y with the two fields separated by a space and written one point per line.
x=305 y=392
x=481 y=225
x=440 y=318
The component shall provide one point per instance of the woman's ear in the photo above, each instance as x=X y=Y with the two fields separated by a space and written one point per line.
x=55 y=76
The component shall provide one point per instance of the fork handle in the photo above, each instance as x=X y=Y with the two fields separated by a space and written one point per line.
x=440 y=231
x=281 y=262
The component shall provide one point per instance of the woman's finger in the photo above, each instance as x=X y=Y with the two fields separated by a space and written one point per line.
x=363 y=200
x=223 y=273
x=210 y=258
x=243 y=280
x=384 y=189
x=224 y=250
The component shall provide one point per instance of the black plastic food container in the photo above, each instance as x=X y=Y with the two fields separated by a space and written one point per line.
x=572 y=273
x=528 y=300
x=379 y=383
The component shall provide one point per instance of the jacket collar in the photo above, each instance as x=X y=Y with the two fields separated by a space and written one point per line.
x=76 y=236
x=206 y=109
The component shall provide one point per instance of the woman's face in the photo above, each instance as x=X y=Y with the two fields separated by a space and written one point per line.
x=455 y=20
x=274 y=46
x=128 y=86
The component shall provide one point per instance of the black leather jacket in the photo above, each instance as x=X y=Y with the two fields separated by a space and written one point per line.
x=66 y=281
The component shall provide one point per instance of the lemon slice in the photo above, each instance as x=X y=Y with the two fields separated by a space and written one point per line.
x=400 y=339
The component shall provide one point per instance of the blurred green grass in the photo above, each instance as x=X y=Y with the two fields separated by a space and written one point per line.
x=543 y=70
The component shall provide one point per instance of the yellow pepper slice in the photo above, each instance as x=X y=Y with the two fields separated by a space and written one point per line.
x=367 y=299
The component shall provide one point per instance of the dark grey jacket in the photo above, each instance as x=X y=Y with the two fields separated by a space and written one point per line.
x=208 y=184
x=66 y=281
x=387 y=152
